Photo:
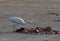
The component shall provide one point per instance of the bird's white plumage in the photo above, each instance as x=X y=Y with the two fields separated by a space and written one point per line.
x=17 y=20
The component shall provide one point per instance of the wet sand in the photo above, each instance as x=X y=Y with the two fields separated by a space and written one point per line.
x=37 y=12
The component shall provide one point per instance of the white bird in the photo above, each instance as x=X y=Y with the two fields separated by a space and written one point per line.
x=18 y=21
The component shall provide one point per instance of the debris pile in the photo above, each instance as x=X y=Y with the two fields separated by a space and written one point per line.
x=37 y=30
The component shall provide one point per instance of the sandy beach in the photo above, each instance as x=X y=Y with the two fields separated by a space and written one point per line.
x=36 y=12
